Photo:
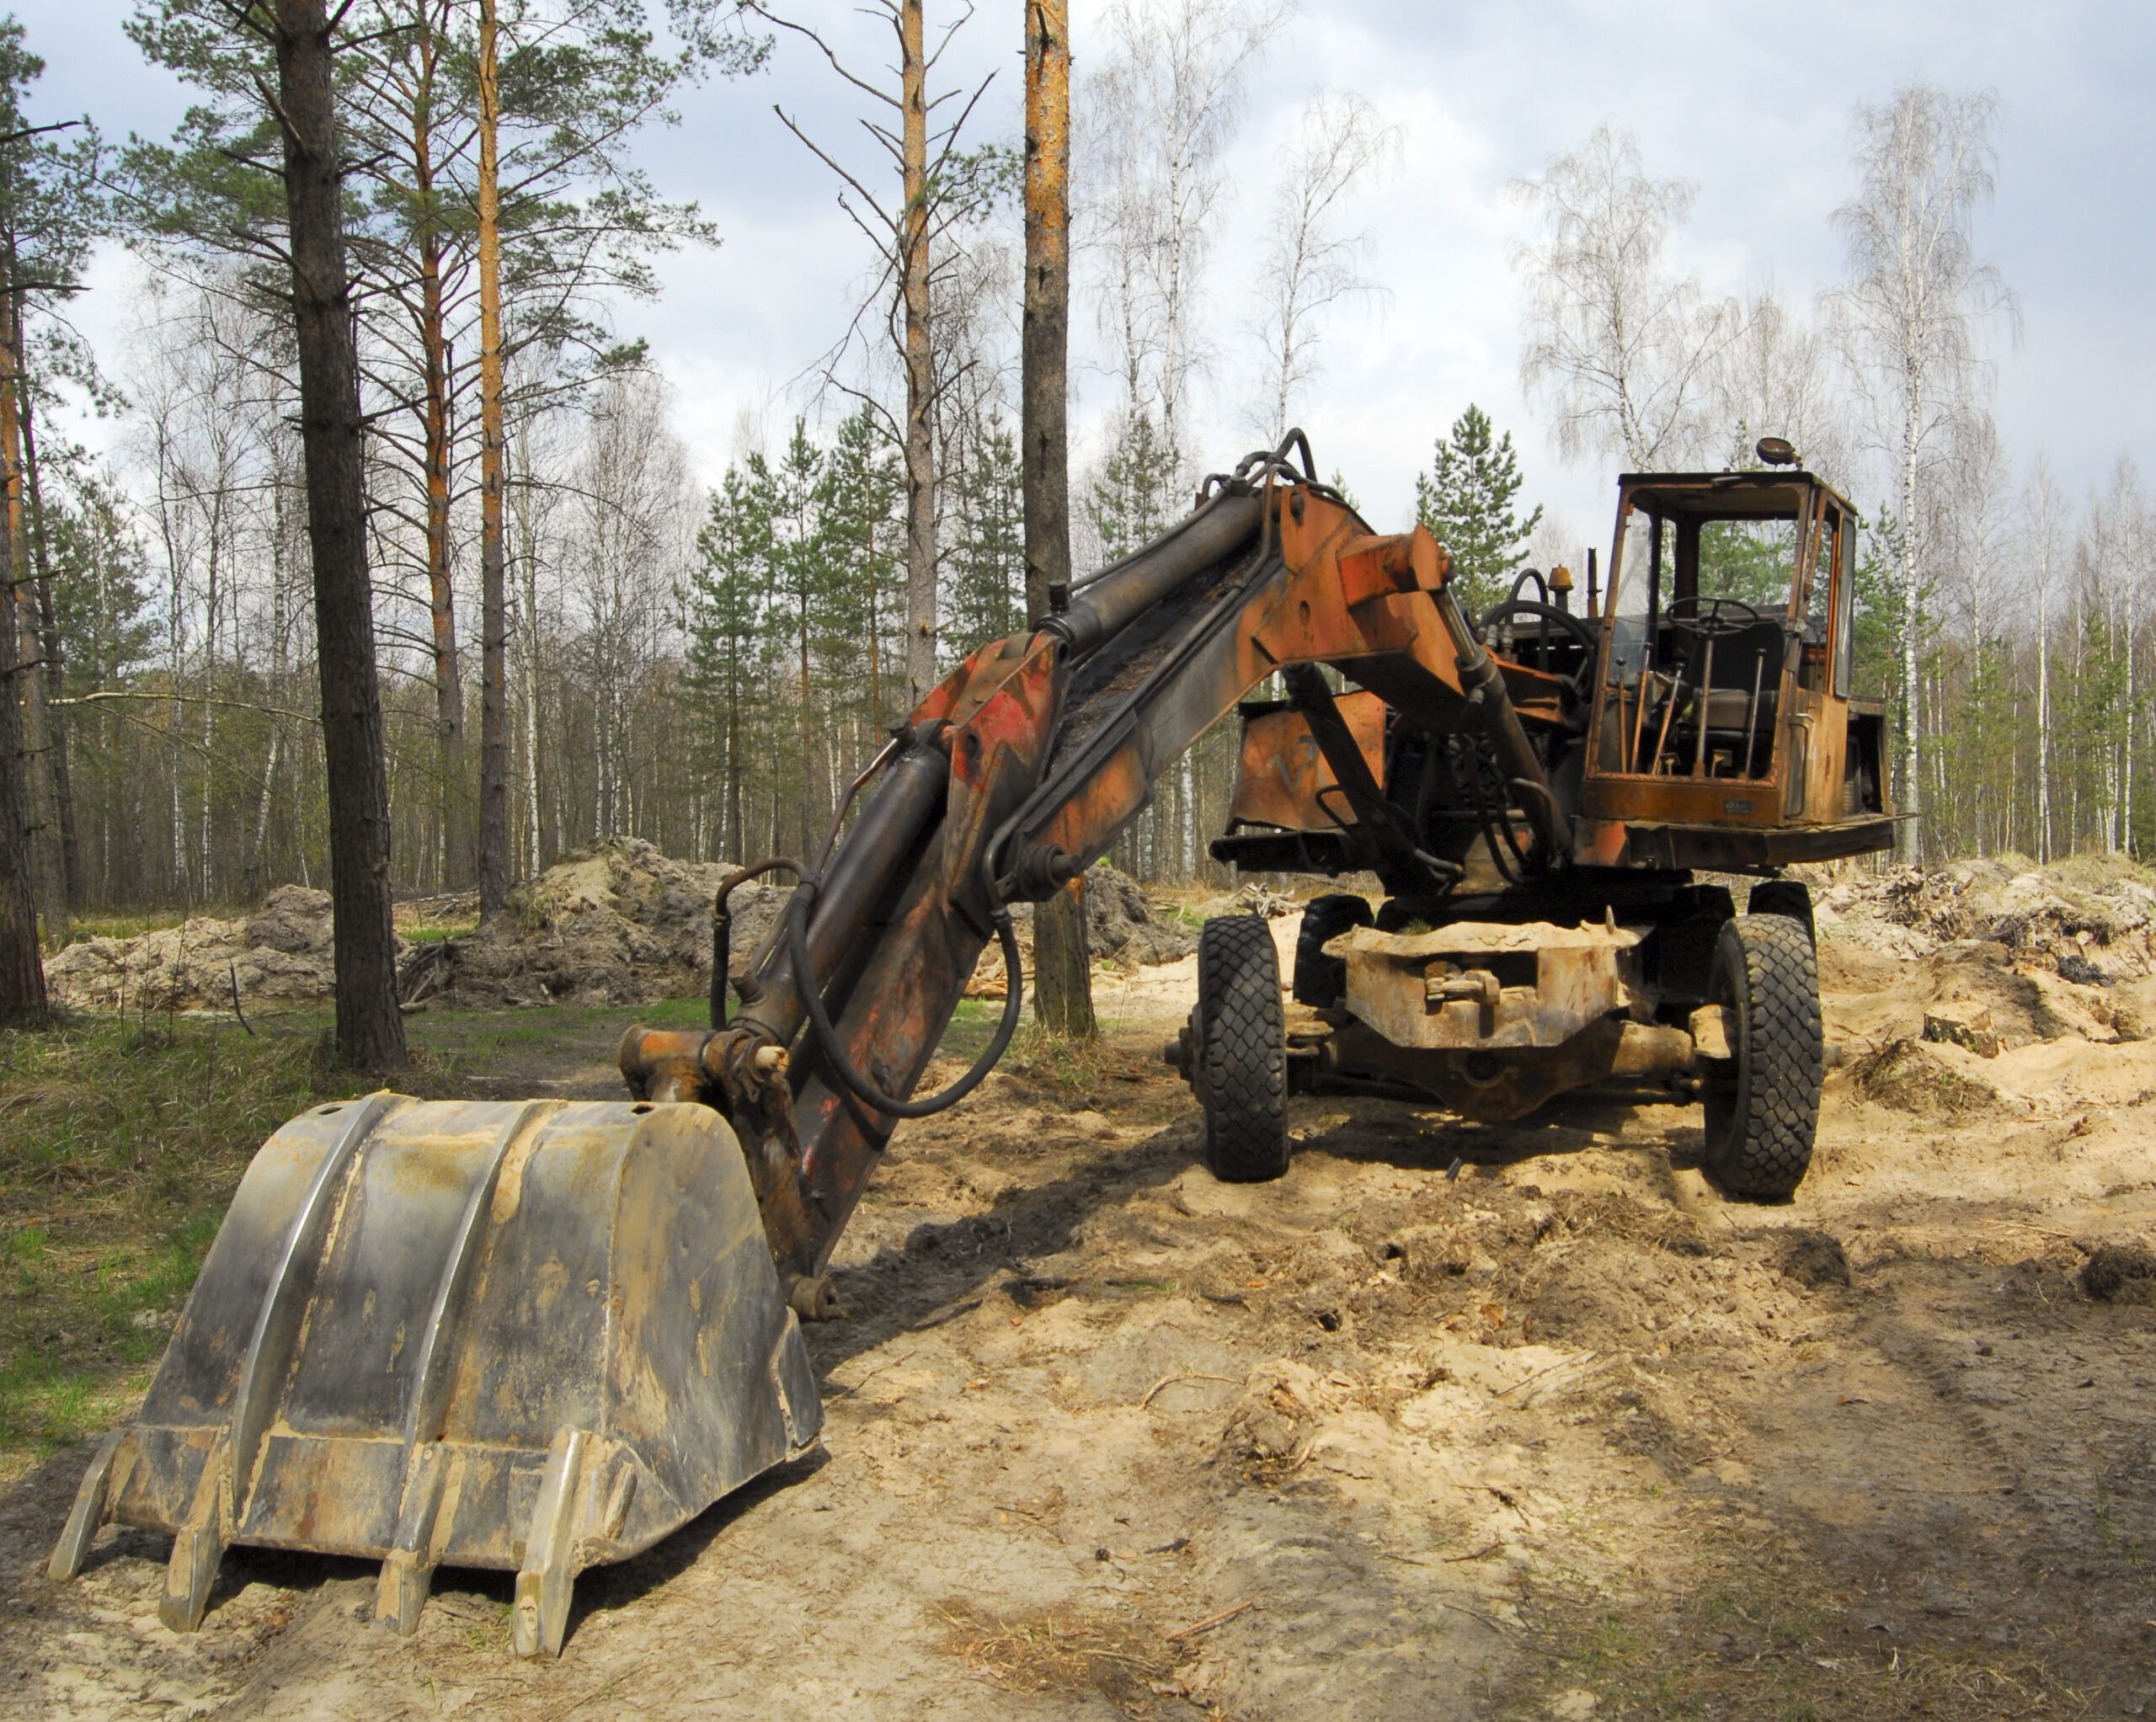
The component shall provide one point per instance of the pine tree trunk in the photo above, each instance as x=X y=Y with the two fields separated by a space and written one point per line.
x=1063 y=995
x=48 y=867
x=920 y=453
x=494 y=598
x=22 y=967
x=1046 y=333
x=370 y=1029
x=450 y=805
x=54 y=674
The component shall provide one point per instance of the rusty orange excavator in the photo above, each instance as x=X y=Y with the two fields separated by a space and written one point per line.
x=541 y=1336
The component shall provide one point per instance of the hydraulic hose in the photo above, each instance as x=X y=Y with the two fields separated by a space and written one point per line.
x=827 y=1037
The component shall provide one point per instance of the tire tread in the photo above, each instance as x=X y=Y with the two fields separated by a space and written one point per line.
x=1760 y=1143
x=1242 y=1051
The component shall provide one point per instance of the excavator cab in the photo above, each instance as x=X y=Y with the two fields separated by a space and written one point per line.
x=1725 y=730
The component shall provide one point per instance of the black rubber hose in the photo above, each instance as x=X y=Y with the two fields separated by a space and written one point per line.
x=1580 y=629
x=827 y=1037
x=722 y=927
x=1467 y=773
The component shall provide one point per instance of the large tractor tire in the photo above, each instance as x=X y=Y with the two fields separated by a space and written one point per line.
x=1322 y=980
x=1762 y=1102
x=1240 y=1051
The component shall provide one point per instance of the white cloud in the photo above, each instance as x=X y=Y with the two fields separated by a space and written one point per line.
x=1753 y=107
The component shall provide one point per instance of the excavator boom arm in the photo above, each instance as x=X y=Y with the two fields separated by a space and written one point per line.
x=1020 y=770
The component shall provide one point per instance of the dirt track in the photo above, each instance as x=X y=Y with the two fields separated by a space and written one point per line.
x=1568 y=1435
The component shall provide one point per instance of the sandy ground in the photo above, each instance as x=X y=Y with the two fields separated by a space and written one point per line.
x=1564 y=1435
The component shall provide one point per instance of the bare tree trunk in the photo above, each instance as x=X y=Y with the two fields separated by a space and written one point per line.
x=1046 y=335
x=441 y=603
x=22 y=968
x=48 y=868
x=1063 y=994
x=370 y=1029
x=2043 y=721
x=55 y=670
x=920 y=452
x=493 y=599
x=1910 y=745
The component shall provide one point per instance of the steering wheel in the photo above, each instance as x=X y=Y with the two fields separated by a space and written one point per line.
x=1715 y=618
x=1577 y=626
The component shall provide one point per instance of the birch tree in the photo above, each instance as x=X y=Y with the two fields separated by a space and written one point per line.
x=1620 y=351
x=1308 y=263
x=2044 y=552
x=1775 y=377
x=1910 y=316
x=1159 y=114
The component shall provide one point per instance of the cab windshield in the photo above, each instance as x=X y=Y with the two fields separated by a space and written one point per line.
x=1702 y=593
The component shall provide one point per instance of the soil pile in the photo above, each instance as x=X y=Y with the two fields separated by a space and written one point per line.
x=626 y=925
x=1123 y=926
x=620 y=924
x=2089 y=919
x=278 y=957
x=1984 y=989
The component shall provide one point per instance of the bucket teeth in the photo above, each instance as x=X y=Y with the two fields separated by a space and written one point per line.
x=544 y=1581
x=529 y=1337
x=73 y=1548
x=408 y=1569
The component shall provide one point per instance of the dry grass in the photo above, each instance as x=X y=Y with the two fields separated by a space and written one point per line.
x=1067 y=1653
x=1779 y=1647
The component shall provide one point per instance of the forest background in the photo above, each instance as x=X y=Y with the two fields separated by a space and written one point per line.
x=706 y=658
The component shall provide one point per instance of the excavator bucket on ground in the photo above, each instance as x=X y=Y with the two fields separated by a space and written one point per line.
x=535 y=1337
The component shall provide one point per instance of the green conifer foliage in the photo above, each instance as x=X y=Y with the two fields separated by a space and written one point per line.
x=1467 y=500
x=1134 y=499
x=985 y=570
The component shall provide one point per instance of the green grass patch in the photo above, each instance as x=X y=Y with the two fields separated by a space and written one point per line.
x=133 y=923
x=434 y=932
x=121 y=1143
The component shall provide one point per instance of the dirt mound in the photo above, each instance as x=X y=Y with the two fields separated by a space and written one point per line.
x=1122 y=925
x=1935 y=976
x=1912 y=1076
x=2090 y=919
x=621 y=924
x=2121 y=1273
x=626 y=925
x=278 y=955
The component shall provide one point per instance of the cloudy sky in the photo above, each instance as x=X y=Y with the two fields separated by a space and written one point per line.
x=1752 y=104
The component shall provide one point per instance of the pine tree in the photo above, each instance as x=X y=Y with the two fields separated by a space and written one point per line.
x=986 y=591
x=799 y=586
x=1133 y=500
x=724 y=607
x=1467 y=501
x=860 y=546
